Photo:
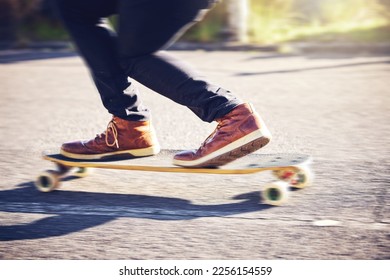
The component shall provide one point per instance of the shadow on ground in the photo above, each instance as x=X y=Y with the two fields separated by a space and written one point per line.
x=29 y=55
x=317 y=68
x=70 y=211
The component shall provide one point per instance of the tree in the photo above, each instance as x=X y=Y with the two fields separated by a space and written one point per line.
x=386 y=5
x=237 y=20
x=12 y=14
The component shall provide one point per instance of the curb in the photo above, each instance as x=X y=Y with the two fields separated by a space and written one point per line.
x=339 y=48
x=223 y=46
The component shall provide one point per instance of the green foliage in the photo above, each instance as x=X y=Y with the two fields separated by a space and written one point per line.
x=270 y=21
x=43 y=30
x=325 y=20
x=211 y=27
x=12 y=16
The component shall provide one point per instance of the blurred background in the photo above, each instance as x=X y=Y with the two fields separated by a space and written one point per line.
x=332 y=104
x=245 y=21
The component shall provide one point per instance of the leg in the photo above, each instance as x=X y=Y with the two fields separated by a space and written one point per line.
x=147 y=26
x=97 y=42
x=129 y=132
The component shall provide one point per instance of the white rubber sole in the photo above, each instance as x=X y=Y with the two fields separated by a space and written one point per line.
x=232 y=151
x=144 y=152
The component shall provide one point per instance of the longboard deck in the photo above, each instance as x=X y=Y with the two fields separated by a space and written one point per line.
x=162 y=163
x=291 y=169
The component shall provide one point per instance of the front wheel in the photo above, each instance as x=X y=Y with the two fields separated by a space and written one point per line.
x=275 y=193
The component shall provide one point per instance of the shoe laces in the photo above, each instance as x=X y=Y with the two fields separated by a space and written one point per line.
x=111 y=128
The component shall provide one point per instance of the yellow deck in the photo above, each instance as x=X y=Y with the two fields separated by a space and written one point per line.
x=162 y=163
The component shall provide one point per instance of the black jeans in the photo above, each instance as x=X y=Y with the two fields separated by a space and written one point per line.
x=145 y=27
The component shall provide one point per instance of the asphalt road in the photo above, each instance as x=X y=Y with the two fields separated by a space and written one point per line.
x=333 y=107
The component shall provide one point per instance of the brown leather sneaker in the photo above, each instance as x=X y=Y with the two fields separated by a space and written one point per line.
x=238 y=133
x=122 y=137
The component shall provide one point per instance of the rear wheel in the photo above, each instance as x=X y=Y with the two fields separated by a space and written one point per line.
x=48 y=181
x=298 y=177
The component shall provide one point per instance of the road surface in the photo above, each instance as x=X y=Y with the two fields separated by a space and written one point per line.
x=333 y=107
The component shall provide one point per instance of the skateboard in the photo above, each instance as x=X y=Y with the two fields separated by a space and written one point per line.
x=290 y=170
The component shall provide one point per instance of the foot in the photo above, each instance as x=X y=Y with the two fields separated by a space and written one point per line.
x=238 y=133
x=122 y=137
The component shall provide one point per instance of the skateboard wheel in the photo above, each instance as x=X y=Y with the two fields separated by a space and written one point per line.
x=48 y=181
x=82 y=172
x=303 y=177
x=275 y=193
x=298 y=177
